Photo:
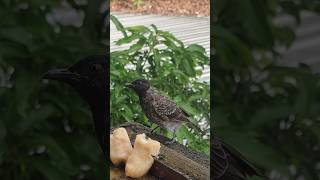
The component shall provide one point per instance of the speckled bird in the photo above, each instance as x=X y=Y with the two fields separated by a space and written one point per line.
x=227 y=163
x=160 y=109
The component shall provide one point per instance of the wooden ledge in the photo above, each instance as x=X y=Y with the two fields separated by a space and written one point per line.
x=175 y=161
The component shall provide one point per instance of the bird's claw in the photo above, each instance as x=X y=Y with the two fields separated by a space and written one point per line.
x=148 y=133
x=169 y=142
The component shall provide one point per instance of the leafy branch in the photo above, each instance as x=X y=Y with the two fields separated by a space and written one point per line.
x=170 y=65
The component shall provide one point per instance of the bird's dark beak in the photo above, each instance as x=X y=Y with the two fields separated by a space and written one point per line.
x=61 y=75
x=129 y=85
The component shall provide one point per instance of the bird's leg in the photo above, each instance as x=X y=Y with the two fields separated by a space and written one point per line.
x=154 y=129
x=172 y=140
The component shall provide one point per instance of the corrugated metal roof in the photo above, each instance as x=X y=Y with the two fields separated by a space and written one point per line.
x=306 y=47
x=190 y=30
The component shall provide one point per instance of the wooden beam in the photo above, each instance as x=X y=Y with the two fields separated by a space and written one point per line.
x=175 y=161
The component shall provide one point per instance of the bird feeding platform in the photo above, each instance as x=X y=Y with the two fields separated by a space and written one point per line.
x=175 y=161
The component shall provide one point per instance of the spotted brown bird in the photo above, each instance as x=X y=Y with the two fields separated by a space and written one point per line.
x=227 y=163
x=89 y=77
x=160 y=109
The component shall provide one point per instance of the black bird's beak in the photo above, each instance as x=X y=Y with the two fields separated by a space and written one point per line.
x=62 y=75
x=129 y=85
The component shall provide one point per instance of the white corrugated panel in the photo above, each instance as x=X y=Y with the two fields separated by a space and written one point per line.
x=190 y=30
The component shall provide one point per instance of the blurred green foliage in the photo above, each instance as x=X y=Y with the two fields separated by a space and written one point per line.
x=269 y=112
x=137 y=3
x=171 y=66
x=46 y=130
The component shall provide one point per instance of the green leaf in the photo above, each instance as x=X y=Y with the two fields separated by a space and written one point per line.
x=118 y=25
x=168 y=36
x=128 y=39
x=16 y=34
x=196 y=48
x=269 y=114
x=24 y=89
x=47 y=169
x=138 y=29
x=188 y=108
x=233 y=52
x=188 y=66
x=35 y=117
x=154 y=28
x=136 y=47
x=115 y=73
x=58 y=154
x=170 y=44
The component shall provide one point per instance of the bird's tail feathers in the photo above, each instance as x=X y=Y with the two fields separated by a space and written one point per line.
x=195 y=127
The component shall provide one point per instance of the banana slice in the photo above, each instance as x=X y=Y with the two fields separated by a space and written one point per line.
x=141 y=160
x=120 y=146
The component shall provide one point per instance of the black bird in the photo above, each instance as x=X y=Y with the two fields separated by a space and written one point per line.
x=228 y=164
x=89 y=77
x=160 y=109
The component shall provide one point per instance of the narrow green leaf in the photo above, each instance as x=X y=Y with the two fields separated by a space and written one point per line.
x=138 y=29
x=128 y=39
x=136 y=47
x=270 y=113
x=168 y=35
x=154 y=28
x=196 y=48
x=118 y=25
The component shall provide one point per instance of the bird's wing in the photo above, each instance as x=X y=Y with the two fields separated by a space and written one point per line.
x=219 y=158
x=168 y=109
